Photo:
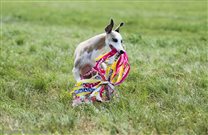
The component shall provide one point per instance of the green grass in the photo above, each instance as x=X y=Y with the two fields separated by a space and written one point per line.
x=165 y=93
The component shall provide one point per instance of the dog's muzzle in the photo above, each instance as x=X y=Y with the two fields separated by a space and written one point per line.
x=120 y=52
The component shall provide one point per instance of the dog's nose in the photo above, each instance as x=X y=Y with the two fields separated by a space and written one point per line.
x=121 y=52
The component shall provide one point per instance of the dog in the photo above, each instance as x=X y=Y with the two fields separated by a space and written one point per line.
x=88 y=50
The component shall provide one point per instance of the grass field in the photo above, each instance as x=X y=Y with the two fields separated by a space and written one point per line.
x=165 y=93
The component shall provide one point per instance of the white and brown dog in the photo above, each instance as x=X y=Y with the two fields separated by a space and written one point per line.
x=87 y=51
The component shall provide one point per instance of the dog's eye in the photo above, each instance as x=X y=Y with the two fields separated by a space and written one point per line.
x=121 y=41
x=115 y=40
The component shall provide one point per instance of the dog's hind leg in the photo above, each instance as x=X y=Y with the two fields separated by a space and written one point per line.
x=76 y=74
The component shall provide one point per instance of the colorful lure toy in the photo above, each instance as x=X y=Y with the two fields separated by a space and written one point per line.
x=100 y=87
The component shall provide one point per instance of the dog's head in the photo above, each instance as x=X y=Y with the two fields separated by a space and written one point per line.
x=113 y=37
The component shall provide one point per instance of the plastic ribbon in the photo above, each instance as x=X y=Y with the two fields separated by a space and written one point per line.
x=101 y=86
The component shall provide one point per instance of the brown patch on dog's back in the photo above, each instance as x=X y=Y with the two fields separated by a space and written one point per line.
x=100 y=44
x=89 y=49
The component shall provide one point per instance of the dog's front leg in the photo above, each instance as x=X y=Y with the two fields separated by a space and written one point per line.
x=104 y=66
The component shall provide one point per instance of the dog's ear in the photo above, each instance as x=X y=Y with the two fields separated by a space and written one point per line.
x=117 y=29
x=109 y=28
